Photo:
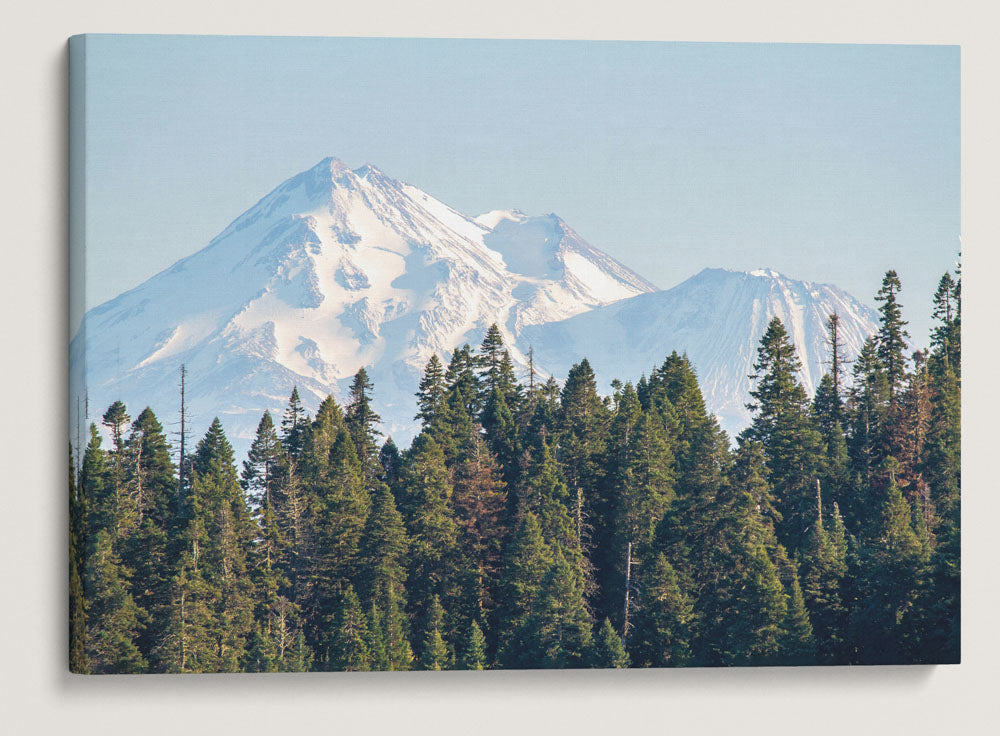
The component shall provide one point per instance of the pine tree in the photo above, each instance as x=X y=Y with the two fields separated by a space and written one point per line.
x=888 y=582
x=557 y=633
x=382 y=576
x=430 y=521
x=340 y=509
x=390 y=460
x=837 y=361
x=947 y=334
x=123 y=514
x=349 y=649
x=664 y=619
x=496 y=373
x=436 y=654
x=609 y=652
x=260 y=655
x=150 y=474
x=546 y=495
x=294 y=426
x=474 y=655
x=376 y=640
x=783 y=425
x=868 y=417
x=462 y=382
x=480 y=502
x=528 y=558
x=114 y=620
x=300 y=657
x=797 y=645
x=262 y=476
x=362 y=423
x=583 y=437
x=891 y=335
x=502 y=435
x=824 y=568
x=226 y=542
x=828 y=414
x=430 y=392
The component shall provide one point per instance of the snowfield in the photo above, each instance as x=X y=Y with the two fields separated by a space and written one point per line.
x=338 y=268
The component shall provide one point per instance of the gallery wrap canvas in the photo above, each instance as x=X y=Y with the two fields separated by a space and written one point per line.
x=427 y=354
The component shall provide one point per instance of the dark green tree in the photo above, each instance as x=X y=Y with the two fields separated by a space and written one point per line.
x=608 y=650
x=349 y=649
x=362 y=423
x=782 y=423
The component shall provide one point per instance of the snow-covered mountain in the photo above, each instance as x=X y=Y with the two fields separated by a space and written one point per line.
x=717 y=317
x=340 y=268
x=333 y=270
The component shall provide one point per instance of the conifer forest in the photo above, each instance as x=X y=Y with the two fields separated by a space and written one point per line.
x=535 y=523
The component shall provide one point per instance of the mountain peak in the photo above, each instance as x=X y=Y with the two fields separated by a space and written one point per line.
x=333 y=269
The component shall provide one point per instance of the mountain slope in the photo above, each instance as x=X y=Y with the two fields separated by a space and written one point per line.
x=333 y=270
x=717 y=317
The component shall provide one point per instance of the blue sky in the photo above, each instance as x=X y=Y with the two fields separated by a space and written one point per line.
x=826 y=162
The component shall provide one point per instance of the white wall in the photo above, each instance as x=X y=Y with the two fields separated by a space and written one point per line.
x=36 y=694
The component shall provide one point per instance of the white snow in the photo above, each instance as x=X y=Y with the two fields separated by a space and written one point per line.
x=333 y=270
x=492 y=218
x=337 y=269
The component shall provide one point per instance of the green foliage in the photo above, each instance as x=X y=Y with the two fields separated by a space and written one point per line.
x=608 y=649
x=782 y=423
x=436 y=654
x=474 y=655
x=665 y=618
x=114 y=619
x=350 y=645
x=522 y=516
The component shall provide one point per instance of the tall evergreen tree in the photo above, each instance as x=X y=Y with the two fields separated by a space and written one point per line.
x=430 y=521
x=349 y=649
x=892 y=334
x=362 y=423
x=474 y=655
x=294 y=426
x=608 y=650
x=436 y=654
x=430 y=392
x=114 y=619
x=664 y=619
x=782 y=423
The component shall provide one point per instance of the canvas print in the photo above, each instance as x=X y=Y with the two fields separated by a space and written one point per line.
x=413 y=354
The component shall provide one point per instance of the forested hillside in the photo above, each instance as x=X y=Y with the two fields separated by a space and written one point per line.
x=538 y=524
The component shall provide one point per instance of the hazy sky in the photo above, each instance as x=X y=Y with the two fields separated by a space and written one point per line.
x=826 y=162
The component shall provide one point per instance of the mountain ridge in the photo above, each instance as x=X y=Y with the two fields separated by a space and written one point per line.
x=338 y=268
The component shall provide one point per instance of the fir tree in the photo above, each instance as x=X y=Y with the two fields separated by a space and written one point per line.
x=430 y=392
x=608 y=649
x=892 y=334
x=474 y=655
x=294 y=426
x=362 y=423
x=436 y=654
x=557 y=633
x=114 y=619
x=431 y=524
x=480 y=501
x=350 y=649
x=664 y=619
x=528 y=558
x=390 y=460
x=783 y=425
